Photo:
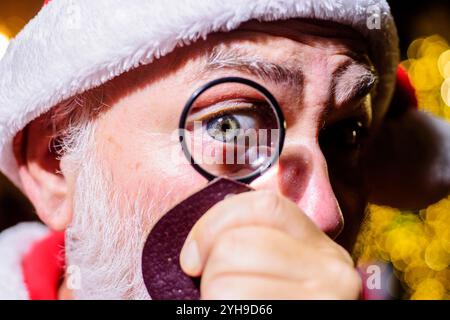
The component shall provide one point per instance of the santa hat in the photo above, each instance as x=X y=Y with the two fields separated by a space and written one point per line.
x=73 y=46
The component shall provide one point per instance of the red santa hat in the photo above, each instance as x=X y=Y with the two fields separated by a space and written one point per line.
x=72 y=46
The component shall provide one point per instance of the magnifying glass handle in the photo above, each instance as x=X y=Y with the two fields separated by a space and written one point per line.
x=161 y=269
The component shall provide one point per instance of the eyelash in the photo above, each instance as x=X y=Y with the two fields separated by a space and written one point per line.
x=227 y=107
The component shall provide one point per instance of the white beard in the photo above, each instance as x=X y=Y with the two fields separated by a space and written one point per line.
x=105 y=239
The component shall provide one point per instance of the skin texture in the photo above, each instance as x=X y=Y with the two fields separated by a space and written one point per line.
x=272 y=243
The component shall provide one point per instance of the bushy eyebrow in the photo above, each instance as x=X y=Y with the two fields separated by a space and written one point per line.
x=351 y=81
x=233 y=58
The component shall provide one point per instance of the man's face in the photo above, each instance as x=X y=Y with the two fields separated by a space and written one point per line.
x=319 y=74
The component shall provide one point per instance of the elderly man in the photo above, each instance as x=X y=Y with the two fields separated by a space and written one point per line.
x=91 y=92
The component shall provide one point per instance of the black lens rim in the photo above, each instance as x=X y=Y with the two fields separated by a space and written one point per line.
x=184 y=114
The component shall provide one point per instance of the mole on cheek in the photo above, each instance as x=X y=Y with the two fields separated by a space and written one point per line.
x=138 y=165
x=114 y=143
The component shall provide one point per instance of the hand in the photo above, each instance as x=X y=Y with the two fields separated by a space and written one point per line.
x=259 y=245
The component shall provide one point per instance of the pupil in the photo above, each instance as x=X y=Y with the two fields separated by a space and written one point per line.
x=222 y=128
x=226 y=126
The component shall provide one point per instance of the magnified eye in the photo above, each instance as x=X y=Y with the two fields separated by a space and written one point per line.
x=227 y=120
x=224 y=128
x=232 y=127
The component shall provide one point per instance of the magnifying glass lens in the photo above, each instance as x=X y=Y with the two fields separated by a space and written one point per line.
x=233 y=129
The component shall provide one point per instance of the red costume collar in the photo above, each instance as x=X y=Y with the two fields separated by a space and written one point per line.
x=43 y=267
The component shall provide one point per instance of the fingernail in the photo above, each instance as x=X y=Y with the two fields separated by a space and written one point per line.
x=190 y=258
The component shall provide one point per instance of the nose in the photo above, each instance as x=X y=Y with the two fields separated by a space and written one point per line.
x=301 y=175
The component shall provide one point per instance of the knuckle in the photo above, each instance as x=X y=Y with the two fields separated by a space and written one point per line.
x=335 y=251
x=344 y=255
x=347 y=257
x=353 y=283
x=347 y=278
x=341 y=268
x=267 y=202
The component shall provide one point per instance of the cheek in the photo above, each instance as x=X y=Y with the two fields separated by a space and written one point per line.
x=149 y=168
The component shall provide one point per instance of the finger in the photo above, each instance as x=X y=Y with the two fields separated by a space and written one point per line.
x=260 y=287
x=257 y=287
x=265 y=251
x=254 y=287
x=255 y=258
x=262 y=208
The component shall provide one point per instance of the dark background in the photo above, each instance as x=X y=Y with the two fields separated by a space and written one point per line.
x=414 y=19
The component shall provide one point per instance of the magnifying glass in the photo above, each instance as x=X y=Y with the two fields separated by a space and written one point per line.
x=231 y=131
x=232 y=127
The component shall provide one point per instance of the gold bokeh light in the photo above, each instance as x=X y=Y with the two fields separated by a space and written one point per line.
x=4 y=42
x=417 y=243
